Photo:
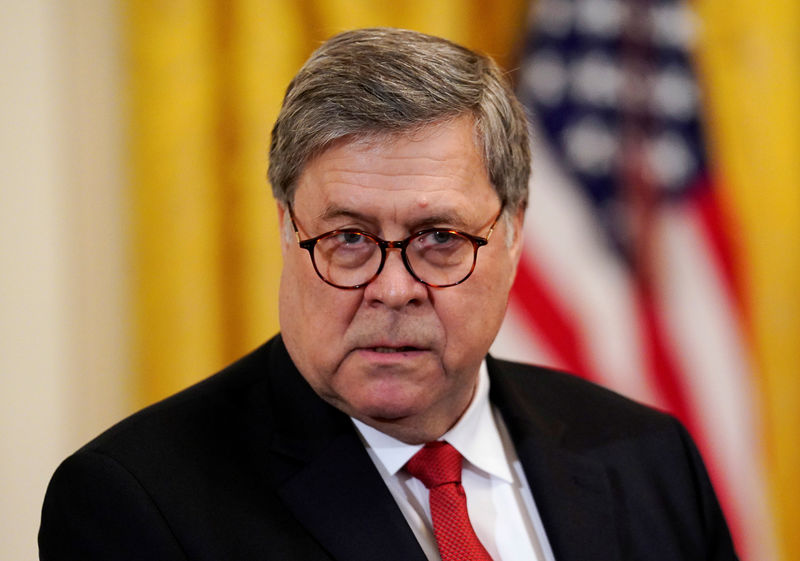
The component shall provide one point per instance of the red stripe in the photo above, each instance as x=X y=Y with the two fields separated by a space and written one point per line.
x=718 y=227
x=544 y=314
x=660 y=357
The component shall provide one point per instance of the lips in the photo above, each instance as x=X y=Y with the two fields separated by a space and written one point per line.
x=387 y=350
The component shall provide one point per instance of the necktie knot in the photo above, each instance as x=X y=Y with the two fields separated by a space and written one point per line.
x=437 y=463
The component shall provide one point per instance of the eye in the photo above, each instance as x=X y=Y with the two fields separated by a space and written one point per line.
x=345 y=239
x=437 y=239
x=350 y=238
x=442 y=236
x=345 y=249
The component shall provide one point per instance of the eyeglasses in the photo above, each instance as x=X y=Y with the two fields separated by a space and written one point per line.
x=350 y=259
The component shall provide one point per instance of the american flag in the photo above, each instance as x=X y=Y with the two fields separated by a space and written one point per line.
x=629 y=271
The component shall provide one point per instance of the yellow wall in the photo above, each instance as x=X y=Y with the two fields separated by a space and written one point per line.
x=750 y=56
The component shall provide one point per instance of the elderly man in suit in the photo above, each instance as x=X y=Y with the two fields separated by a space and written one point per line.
x=375 y=426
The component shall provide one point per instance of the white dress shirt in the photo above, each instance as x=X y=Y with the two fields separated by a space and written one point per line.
x=499 y=501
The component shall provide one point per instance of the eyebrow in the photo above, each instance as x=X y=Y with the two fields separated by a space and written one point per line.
x=454 y=219
x=450 y=218
x=334 y=211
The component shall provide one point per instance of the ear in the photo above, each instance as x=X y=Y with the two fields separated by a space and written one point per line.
x=514 y=225
x=516 y=222
x=283 y=228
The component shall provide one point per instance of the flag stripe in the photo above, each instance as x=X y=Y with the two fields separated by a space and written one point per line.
x=717 y=228
x=660 y=357
x=544 y=313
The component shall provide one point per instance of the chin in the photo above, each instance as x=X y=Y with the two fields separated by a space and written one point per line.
x=387 y=409
x=408 y=425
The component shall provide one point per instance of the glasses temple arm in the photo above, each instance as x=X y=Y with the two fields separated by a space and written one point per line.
x=294 y=223
x=491 y=228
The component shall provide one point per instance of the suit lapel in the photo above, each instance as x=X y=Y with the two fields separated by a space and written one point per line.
x=329 y=482
x=342 y=500
x=574 y=500
x=571 y=491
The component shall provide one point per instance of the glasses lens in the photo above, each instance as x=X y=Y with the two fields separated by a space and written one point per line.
x=441 y=257
x=347 y=258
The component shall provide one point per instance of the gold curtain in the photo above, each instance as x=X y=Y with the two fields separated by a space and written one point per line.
x=205 y=82
x=750 y=60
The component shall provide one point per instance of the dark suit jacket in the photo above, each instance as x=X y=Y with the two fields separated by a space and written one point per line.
x=251 y=464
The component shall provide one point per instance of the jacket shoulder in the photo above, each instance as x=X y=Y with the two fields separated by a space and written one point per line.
x=206 y=408
x=647 y=462
x=584 y=409
x=184 y=478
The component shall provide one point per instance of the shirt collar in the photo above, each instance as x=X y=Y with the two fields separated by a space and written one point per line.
x=475 y=436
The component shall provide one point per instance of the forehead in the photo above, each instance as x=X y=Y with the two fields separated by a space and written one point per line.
x=436 y=169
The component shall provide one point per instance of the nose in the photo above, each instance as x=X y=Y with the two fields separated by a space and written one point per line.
x=395 y=287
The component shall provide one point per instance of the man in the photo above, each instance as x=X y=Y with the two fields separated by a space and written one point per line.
x=400 y=165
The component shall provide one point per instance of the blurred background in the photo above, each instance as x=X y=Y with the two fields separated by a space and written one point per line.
x=139 y=242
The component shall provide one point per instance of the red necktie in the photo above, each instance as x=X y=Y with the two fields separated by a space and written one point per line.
x=438 y=466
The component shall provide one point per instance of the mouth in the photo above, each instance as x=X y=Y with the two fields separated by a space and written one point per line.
x=389 y=350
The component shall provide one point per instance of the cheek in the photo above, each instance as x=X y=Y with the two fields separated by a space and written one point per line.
x=471 y=319
x=311 y=312
x=482 y=306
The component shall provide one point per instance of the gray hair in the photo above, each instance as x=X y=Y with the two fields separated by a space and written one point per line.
x=382 y=81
